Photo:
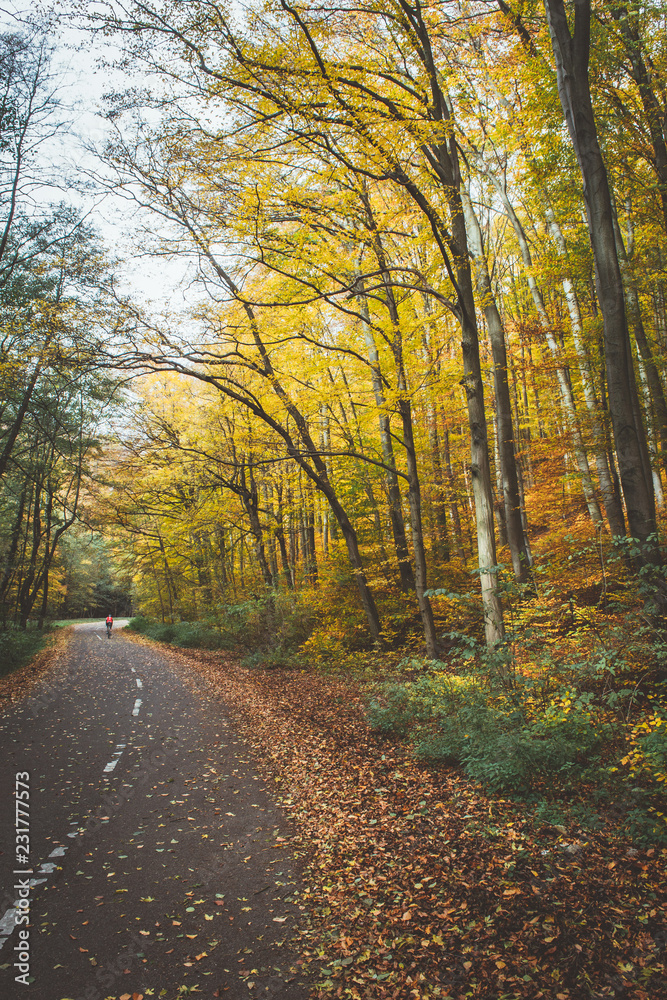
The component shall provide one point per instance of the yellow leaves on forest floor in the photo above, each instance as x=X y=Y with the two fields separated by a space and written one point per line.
x=417 y=884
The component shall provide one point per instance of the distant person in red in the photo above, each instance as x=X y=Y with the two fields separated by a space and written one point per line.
x=109 y=624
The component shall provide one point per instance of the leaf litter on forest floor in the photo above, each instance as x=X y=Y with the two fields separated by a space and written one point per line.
x=420 y=885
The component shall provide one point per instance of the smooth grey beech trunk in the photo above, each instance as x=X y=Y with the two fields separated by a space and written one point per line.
x=610 y=496
x=414 y=499
x=480 y=469
x=640 y=69
x=571 y=53
x=653 y=381
x=443 y=161
x=510 y=482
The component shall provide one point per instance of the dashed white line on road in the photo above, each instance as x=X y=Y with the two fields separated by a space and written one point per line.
x=139 y=684
x=137 y=706
x=8 y=920
x=115 y=758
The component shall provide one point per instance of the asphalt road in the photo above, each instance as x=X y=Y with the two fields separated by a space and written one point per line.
x=157 y=862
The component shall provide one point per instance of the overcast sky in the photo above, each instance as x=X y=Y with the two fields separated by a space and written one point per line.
x=82 y=82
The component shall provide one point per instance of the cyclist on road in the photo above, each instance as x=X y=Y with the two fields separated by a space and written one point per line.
x=109 y=624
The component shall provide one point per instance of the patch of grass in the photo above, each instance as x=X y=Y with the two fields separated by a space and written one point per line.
x=18 y=646
x=64 y=622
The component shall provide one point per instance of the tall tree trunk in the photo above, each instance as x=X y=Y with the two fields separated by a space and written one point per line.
x=505 y=437
x=639 y=69
x=442 y=159
x=280 y=535
x=653 y=380
x=311 y=571
x=271 y=535
x=499 y=507
x=652 y=440
x=442 y=543
x=480 y=470
x=250 y=501
x=157 y=584
x=10 y=561
x=453 y=506
x=171 y=590
x=26 y=594
x=414 y=497
x=222 y=548
x=610 y=496
x=393 y=488
x=414 y=489
x=571 y=53
x=357 y=442
x=567 y=398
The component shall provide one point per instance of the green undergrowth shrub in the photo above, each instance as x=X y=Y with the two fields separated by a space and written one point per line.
x=18 y=646
x=459 y=719
x=270 y=621
x=268 y=627
x=578 y=729
x=187 y=635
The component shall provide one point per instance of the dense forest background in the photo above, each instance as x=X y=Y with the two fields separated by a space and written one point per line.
x=408 y=396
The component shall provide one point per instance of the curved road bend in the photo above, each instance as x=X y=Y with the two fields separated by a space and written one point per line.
x=154 y=845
